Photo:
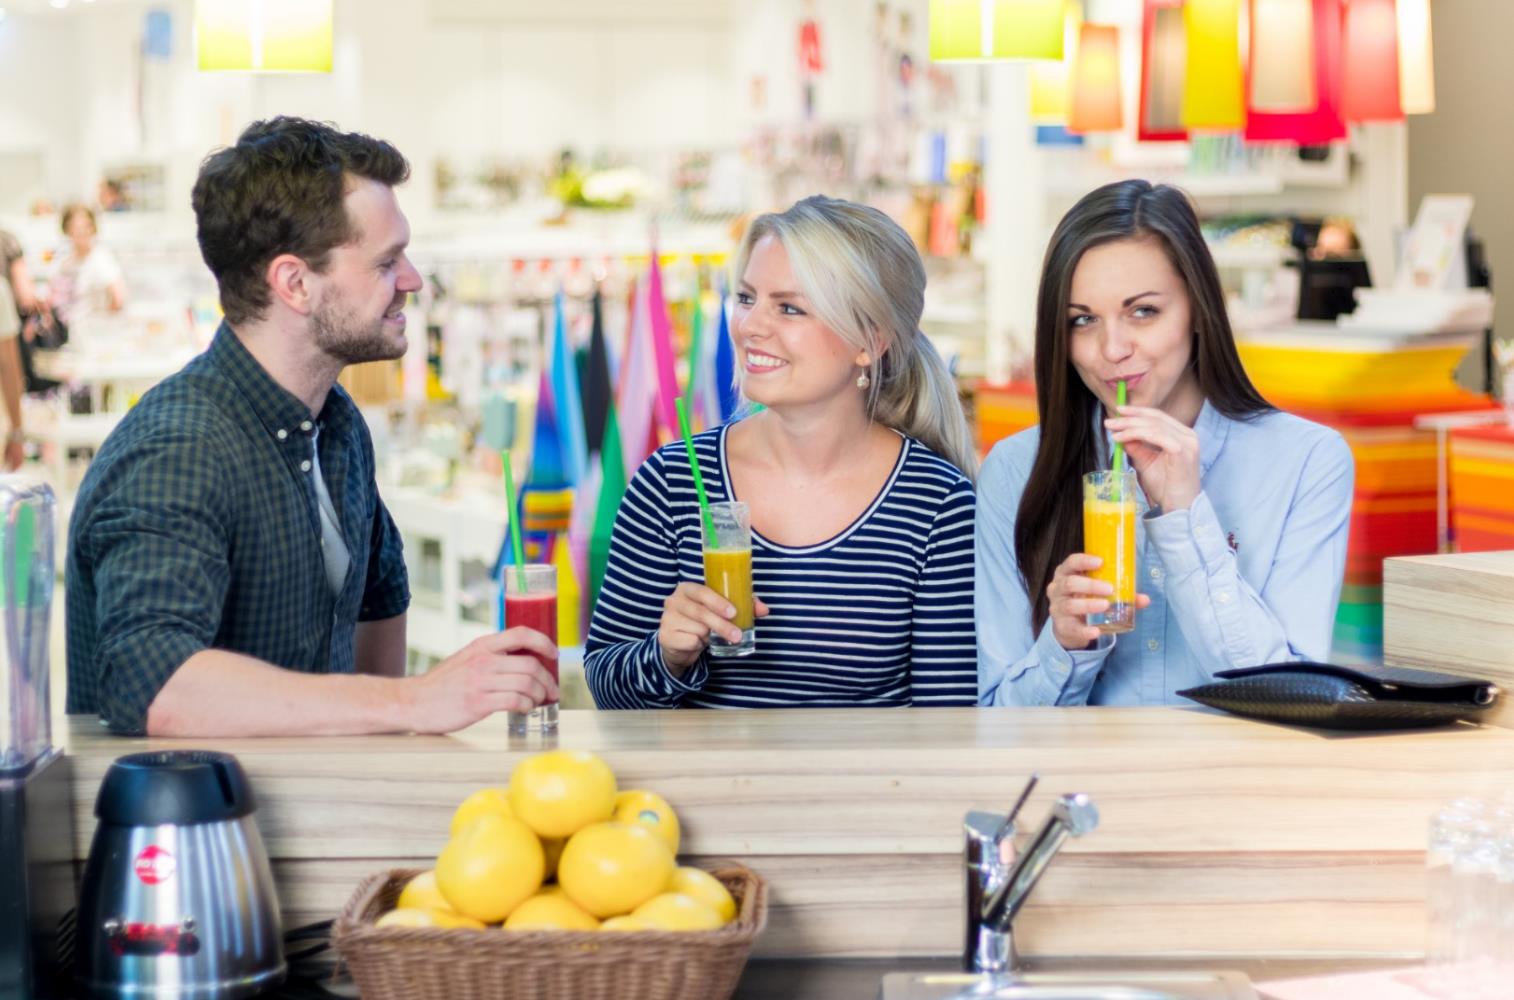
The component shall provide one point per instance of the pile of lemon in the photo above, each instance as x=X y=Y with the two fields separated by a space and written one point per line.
x=562 y=849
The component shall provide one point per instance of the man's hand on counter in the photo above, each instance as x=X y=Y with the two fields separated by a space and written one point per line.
x=494 y=673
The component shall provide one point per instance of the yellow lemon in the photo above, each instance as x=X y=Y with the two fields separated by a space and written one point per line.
x=623 y=923
x=550 y=910
x=640 y=806
x=552 y=848
x=421 y=893
x=484 y=802
x=560 y=792
x=673 y=911
x=490 y=868
x=415 y=916
x=701 y=886
x=612 y=868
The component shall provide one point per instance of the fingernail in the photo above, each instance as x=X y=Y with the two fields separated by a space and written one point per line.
x=730 y=611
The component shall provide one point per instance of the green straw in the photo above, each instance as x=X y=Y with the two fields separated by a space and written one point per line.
x=1119 y=449
x=688 y=444
x=515 y=545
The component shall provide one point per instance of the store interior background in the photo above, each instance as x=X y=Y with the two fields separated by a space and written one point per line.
x=669 y=88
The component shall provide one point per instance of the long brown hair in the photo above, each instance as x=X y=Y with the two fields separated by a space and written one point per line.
x=1049 y=526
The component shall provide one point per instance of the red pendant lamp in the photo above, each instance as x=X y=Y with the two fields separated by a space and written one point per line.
x=1164 y=57
x=1369 y=89
x=1324 y=123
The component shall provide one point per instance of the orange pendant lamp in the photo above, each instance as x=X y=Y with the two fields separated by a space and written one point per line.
x=1369 y=72
x=1164 y=62
x=1213 y=92
x=1097 y=101
x=1416 y=66
x=1282 y=56
x=991 y=30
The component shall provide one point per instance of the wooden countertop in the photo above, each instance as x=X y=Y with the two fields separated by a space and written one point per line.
x=1218 y=835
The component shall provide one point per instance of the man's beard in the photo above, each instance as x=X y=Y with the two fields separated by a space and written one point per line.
x=350 y=339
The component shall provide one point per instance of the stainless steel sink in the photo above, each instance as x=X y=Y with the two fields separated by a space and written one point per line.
x=1103 y=985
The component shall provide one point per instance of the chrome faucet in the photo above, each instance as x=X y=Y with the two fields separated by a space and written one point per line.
x=996 y=890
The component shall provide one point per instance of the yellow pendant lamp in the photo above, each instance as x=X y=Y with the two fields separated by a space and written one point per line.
x=1049 y=86
x=1097 y=102
x=1212 y=91
x=987 y=30
x=1282 y=56
x=269 y=36
x=1416 y=66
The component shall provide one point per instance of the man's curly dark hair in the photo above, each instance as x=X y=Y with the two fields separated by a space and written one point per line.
x=279 y=190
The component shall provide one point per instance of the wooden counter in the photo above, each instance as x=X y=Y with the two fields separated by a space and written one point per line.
x=1219 y=836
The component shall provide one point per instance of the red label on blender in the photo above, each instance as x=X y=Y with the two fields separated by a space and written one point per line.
x=154 y=865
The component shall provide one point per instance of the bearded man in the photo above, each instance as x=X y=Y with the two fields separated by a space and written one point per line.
x=231 y=569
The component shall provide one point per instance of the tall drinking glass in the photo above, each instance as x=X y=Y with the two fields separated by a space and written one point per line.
x=728 y=572
x=1109 y=532
x=534 y=606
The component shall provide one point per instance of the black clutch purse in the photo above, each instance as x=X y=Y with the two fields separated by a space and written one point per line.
x=1336 y=697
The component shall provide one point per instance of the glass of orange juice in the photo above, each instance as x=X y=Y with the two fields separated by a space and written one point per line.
x=1109 y=532
x=728 y=572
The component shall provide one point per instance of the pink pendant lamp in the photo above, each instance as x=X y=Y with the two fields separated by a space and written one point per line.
x=1369 y=90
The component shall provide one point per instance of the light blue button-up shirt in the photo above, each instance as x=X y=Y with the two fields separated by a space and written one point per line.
x=1251 y=573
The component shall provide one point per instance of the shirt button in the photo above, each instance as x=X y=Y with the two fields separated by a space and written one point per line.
x=1223 y=597
x=1153 y=645
x=305 y=426
x=282 y=433
x=304 y=466
x=1156 y=572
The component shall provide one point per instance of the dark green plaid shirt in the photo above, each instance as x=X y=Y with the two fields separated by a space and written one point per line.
x=197 y=527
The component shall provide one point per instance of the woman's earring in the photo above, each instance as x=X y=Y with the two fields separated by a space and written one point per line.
x=863 y=381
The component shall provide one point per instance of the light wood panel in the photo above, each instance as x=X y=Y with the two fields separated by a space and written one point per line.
x=1454 y=613
x=1218 y=835
x=882 y=905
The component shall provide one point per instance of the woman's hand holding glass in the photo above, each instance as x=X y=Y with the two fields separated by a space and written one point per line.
x=689 y=615
x=1072 y=596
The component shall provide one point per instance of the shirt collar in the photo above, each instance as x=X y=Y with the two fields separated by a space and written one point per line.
x=282 y=414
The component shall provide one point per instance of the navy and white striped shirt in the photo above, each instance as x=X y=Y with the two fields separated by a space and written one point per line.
x=881 y=614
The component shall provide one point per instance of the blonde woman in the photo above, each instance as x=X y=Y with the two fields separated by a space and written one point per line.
x=857 y=472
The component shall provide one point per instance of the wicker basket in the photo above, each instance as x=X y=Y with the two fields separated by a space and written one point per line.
x=410 y=963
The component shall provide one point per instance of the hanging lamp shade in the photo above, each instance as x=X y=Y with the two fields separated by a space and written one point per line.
x=987 y=30
x=1282 y=55
x=1096 y=104
x=1323 y=123
x=1049 y=81
x=1369 y=69
x=1416 y=65
x=1213 y=95
x=1164 y=61
x=271 y=36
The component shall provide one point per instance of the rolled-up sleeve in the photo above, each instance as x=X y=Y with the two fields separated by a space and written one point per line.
x=158 y=544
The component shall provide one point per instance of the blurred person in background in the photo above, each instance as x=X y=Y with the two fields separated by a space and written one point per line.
x=86 y=281
x=18 y=300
